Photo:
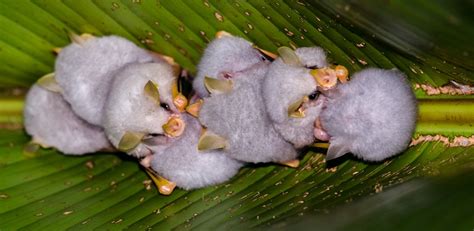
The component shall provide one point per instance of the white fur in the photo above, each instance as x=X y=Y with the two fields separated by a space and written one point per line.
x=240 y=117
x=373 y=115
x=312 y=57
x=189 y=168
x=128 y=108
x=285 y=84
x=85 y=72
x=227 y=54
x=50 y=120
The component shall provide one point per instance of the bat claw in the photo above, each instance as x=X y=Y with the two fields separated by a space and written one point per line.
x=222 y=33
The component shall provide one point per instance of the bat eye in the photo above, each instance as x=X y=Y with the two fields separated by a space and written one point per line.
x=165 y=106
x=312 y=67
x=314 y=95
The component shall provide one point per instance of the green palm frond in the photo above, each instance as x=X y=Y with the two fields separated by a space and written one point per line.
x=430 y=42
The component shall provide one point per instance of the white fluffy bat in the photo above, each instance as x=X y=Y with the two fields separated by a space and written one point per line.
x=51 y=122
x=224 y=57
x=372 y=116
x=189 y=168
x=291 y=95
x=86 y=68
x=234 y=71
x=140 y=112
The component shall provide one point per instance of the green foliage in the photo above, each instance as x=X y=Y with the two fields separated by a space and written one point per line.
x=430 y=42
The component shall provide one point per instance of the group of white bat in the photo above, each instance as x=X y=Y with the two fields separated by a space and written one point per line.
x=249 y=106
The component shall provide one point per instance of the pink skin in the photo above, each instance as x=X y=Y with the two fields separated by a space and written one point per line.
x=146 y=161
x=319 y=132
x=158 y=142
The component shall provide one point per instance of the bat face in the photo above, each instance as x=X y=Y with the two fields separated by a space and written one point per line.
x=189 y=168
x=291 y=95
x=85 y=71
x=372 y=116
x=51 y=122
x=223 y=58
x=139 y=111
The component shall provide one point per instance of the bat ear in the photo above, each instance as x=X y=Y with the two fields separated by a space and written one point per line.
x=130 y=140
x=337 y=148
x=211 y=141
x=289 y=56
x=151 y=91
x=49 y=83
x=296 y=110
x=218 y=86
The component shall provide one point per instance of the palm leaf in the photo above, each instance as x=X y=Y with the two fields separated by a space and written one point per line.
x=47 y=190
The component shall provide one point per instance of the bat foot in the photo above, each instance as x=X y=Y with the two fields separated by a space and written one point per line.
x=165 y=187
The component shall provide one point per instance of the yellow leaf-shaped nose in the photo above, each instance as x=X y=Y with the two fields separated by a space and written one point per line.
x=174 y=127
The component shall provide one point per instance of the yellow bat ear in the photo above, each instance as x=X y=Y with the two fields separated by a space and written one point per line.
x=289 y=56
x=296 y=110
x=130 y=140
x=49 y=83
x=211 y=141
x=151 y=91
x=218 y=86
